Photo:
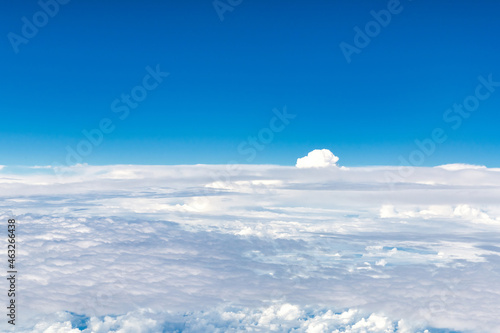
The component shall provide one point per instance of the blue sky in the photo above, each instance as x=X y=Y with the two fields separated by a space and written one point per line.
x=226 y=77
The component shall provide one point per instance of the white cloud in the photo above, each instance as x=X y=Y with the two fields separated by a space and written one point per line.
x=463 y=211
x=262 y=247
x=460 y=166
x=318 y=158
x=283 y=317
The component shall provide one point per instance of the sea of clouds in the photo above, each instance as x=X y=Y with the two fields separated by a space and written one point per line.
x=255 y=248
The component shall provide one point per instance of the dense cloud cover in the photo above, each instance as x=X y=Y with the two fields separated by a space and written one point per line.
x=255 y=248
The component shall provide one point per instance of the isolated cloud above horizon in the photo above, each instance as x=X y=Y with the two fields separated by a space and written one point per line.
x=318 y=158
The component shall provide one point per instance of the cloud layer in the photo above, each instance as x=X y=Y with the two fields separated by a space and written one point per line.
x=270 y=248
x=275 y=318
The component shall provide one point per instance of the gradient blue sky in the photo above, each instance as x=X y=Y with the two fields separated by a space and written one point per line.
x=227 y=76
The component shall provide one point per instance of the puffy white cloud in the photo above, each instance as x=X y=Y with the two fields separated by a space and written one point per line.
x=318 y=158
x=282 y=317
x=374 y=323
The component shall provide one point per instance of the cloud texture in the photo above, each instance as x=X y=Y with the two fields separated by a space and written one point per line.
x=318 y=158
x=255 y=248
